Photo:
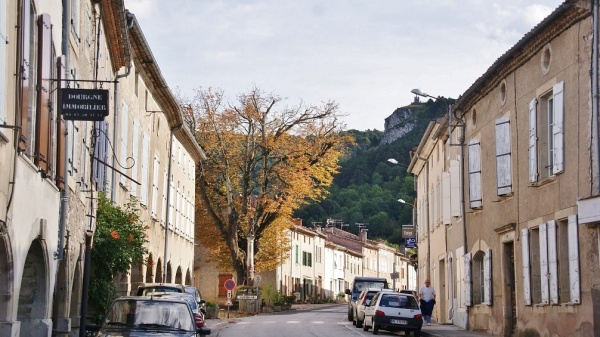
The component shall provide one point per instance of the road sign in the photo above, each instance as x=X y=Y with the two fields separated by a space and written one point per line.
x=228 y=303
x=408 y=232
x=229 y=284
x=247 y=297
x=410 y=242
x=257 y=279
x=228 y=293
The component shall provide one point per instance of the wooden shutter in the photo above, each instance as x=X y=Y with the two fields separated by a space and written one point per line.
x=468 y=278
x=145 y=159
x=544 y=263
x=61 y=126
x=25 y=63
x=574 y=260
x=474 y=174
x=552 y=261
x=155 y=170
x=124 y=142
x=42 y=123
x=487 y=277
x=533 y=169
x=447 y=216
x=526 y=272
x=503 y=157
x=455 y=194
x=136 y=162
x=558 y=128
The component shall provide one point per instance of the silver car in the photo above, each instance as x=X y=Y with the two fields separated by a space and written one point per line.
x=362 y=301
x=393 y=311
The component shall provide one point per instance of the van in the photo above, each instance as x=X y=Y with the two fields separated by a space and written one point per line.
x=359 y=284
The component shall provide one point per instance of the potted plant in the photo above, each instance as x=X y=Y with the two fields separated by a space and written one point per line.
x=212 y=310
x=341 y=296
x=278 y=301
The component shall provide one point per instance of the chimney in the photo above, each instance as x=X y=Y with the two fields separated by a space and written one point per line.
x=363 y=235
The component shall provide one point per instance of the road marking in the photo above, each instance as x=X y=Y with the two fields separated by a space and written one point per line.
x=293 y=322
x=318 y=322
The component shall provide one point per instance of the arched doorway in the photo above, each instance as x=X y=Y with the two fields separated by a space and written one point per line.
x=188 y=278
x=169 y=274
x=33 y=293
x=178 y=275
x=159 y=272
x=6 y=277
x=149 y=270
x=75 y=305
x=60 y=302
x=137 y=276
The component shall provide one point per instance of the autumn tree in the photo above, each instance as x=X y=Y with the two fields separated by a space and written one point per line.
x=265 y=159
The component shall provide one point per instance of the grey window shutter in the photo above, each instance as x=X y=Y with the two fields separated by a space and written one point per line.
x=136 y=155
x=475 y=174
x=552 y=261
x=526 y=266
x=558 y=128
x=124 y=120
x=468 y=285
x=145 y=159
x=544 y=263
x=503 y=156
x=533 y=169
x=574 y=260
x=487 y=277
x=447 y=217
x=455 y=196
x=155 y=170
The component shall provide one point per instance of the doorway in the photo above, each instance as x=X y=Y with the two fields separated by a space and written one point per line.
x=510 y=314
x=443 y=317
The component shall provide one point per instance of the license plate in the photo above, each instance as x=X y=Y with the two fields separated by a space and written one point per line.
x=398 y=321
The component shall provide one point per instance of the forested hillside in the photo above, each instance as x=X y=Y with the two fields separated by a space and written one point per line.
x=367 y=188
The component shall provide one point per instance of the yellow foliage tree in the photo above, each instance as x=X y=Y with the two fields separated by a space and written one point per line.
x=264 y=161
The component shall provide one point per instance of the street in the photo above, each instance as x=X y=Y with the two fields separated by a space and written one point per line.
x=322 y=322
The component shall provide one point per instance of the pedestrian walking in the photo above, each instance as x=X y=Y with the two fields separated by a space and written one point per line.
x=427 y=301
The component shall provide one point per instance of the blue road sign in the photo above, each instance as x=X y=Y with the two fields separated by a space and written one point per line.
x=410 y=242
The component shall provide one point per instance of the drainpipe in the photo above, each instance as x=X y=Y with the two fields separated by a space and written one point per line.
x=595 y=142
x=64 y=193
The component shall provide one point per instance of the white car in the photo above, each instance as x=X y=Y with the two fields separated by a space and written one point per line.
x=393 y=311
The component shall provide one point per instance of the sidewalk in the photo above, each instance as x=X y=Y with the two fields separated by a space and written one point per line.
x=439 y=330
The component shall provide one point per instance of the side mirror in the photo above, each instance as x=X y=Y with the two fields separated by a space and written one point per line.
x=348 y=292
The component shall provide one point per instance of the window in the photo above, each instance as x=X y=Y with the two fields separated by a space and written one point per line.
x=136 y=154
x=296 y=251
x=503 y=158
x=145 y=162
x=482 y=277
x=553 y=251
x=475 y=199
x=307 y=259
x=546 y=134
x=123 y=153
x=155 y=170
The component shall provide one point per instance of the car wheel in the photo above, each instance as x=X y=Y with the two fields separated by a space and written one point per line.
x=350 y=315
x=375 y=329
x=359 y=323
x=417 y=333
x=365 y=326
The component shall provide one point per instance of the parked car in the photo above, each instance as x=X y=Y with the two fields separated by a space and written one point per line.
x=360 y=283
x=146 y=288
x=363 y=300
x=412 y=292
x=148 y=316
x=393 y=311
x=194 y=291
x=197 y=310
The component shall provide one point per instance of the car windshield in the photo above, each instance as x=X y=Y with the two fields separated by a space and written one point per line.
x=150 y=313
x=360 y=286
x=158 y=289
x=398 y=301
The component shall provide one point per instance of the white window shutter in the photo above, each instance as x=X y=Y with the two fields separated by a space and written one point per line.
x=526 y=267
x=503 y=157
x=574 y=260
x=455 y=196
x=467 y=281
x=487 y=277
x=172 y=201
x=544 y=263
x=165 y=191
x=552 y=261
x=136 y=162
x=124 y=140
x=475 y=174
x=85 y=156
x=558 y=131
x=145 y=158
x=447 y=217
x=533 y=169
x=155 y=169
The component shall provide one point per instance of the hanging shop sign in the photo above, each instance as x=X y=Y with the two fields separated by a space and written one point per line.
x=409 y=232
x=84 y=104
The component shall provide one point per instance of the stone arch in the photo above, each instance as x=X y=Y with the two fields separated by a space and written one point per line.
x=60 y=308
x=188 y=277
x=33 y=292
x=159 y=271
x=169 y=273
x=178 y=276
x=149 y=278
x=6 y=277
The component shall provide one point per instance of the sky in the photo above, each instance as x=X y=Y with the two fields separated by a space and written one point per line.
x=366 y=55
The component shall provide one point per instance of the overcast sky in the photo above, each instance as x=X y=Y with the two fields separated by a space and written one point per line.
x=366 y=55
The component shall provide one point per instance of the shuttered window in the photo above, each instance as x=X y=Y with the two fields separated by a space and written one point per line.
x=552 y=261
x=467 y=280
x=503 y=157
x=100 y=152
x=61 y=126
x=85 y=156
x=155 y=171
x=455 y=195
x=446 y=215
x=42 y=117
x=487 y=277
x=558 y=128
x=145 y=159
x=533 y=167
x=526 y=266
x=124 y=142
x=475 y=200
x=165 y=191
x=574 y=260
x=27 y=39
x=135 y=141
x=545 y=284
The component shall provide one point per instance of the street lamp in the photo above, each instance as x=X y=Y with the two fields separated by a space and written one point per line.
x=418 y=92
x=402 y=201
